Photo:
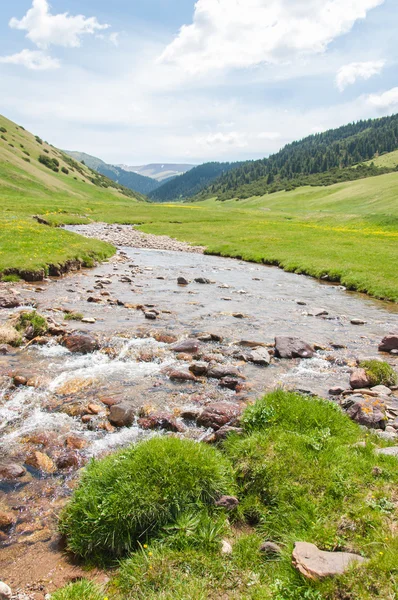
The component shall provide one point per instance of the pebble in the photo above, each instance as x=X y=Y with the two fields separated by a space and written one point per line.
x=5 y=591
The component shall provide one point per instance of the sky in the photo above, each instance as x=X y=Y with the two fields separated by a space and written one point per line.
x=143 y=81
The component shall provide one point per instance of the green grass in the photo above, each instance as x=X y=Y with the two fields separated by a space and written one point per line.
x=73 y=316
x=32 y=320
x=347 y=232
x=301 y=475
x=128 y=497
x=81 y=590
x=380 y=373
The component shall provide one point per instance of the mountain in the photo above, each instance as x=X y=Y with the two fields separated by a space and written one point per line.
x=192 y=182
x=160 y=172
x=29 y=163
x=319 y=159
x=129 y=179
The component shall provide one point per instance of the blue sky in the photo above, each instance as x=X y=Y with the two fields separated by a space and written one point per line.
x=183 y=81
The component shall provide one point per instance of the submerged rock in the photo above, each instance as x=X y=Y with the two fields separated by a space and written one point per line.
x=389 y=343
x=161 y=421
x=181 y=375
x=219 y=414
x=260 y=357
x=80 y=343
x=190 y=346
x=291 y=347
x=122 y=415
x=10 y=471
x=221 y=371
x=316 y=564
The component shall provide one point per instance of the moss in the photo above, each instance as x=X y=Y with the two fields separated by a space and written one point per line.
x=80 y=590
x=74 y=316
x=379 y=373
x=34 y=320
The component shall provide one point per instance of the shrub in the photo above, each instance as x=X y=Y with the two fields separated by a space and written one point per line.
x=26 y=152
x=11 y=278
x=26 y=159
x=46 y=151
x=81 y=590
x=34 y=320
x=3 y=130
x=379 y=372
x=129 y=496
x=65 y=170
x=50 y=163
x=3 y=137
x=38 y=140
x=73 y=317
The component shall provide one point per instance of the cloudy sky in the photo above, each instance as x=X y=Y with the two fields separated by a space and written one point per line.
x=138 y=81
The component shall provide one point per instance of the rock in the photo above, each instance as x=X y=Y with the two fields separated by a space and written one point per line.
x=250 y=344
x=316 y=564
x=177 y=375
x=202 y=280
x=357 y=322
x=260 y=357
x=393 y=451
x=219 y=414
x=222 y=433
x=80 y=343
x=10 y=471
x=291 y=347
x=75 y=443
x=94 y=300
x=381 y=390
x=19 y=380
x=151 y=316
x=190 y=346
x=161 y=421
x=270 y=549
x=389 y=343
x=359 y=379
x=230 y=383
x=9 y=302
x=9 y=335
x=227 y=502
x=221 y=371
x=5 y=592
x=238 y=315
x=68 y=460
x=6 y=349
x=122 y=415
x=336 y=391
x=7 y=520
x=89 y=320
x=190 y=414
x=367 y=411
x=199 y=368
x=41 y=461
x=226 y=547
x=94 y=409
x=182 y=281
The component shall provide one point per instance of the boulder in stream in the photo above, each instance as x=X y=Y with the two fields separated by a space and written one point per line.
x=219 y=414
x=190 y=346
x=359 y=379
x=80 y=343
x=389 y=343
x=122 y=415
x=292 y=347
x=10 y=471
x=161 y=421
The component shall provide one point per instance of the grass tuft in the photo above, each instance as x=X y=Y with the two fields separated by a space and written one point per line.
x=380 y=373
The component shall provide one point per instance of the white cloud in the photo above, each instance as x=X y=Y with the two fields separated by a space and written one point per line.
x=45 y=29
x=114 y=38
x=269 y=135
x=385 y=100
x=31 y=59
x=243 y=33
x=234 y=139
x=348 y=74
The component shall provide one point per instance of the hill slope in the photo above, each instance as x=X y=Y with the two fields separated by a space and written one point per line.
x=159 y=172
x=129 y=179
x=192 y=182
x=36 y=178
x=334 y=151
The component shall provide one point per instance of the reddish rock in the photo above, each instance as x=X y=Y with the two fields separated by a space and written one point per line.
x=190 y=346
x=221 y=371
x=68 y=460
x=6 y=349
x=219 y=414
x=7 y=520
x=110 y=401
x=75 y=443
x=9 y=302
x=94 y=409
x=389 y=343
x=122 y=415
x=230 y=383
x=367 y=411
x=19 y=380
x=41 y=461
x=316 y=564
x=80 y=343
x=291 y=347
x=10 y=471
x=198 y=368
x=359 y=379
x=161 y=421
x=177 y=375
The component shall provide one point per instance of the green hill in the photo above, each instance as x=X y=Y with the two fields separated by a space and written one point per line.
x=36 y=178
x=192 y=182
x=305 y=162
x=129 y=179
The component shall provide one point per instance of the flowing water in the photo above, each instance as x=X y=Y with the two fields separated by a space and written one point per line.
x=244 y=302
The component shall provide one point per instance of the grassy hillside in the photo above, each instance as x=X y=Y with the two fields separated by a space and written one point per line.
x=29 y=187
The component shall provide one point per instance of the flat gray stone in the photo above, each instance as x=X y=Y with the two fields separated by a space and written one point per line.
x=393 y=451
x=317 y=564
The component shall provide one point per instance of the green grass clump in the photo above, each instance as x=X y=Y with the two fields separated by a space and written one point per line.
x=379 y=372
x=81 y=590
x=73 y=316
x=129 y=496
x=34 y=320
x=10 y=278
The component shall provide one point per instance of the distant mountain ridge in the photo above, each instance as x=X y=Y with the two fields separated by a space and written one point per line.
x=159 y=171
x=129 y=179
x=192 y=182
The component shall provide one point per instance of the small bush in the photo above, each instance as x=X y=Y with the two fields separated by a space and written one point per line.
x=129 y=496
x=26 y=159
x=11 y=278
x=379 y=372
x=3 y=137
x=3 y=130
x=34 y=320
x=65 y=170
x=46 y=151
x=26 y=152
x=38 y=140
x=81 y=590
x=50 y=163
x=74 y=316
